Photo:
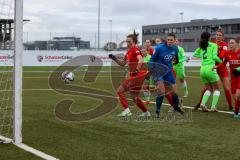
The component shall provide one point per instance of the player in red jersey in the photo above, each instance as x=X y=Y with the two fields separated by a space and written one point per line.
x=232 y=57
x=148 y=47
x=137 y=75
x=222 y=70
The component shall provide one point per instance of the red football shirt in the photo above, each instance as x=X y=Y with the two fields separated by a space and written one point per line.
x=222 y=46
x=131 y=57
x=150 y=50
x=233 y=58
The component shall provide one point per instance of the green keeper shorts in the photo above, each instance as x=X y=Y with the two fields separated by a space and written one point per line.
x=208 y=75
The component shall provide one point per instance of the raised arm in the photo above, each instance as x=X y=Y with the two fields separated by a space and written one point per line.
x=197 y=53
x=117 y=60
x=181 y=56
x=221 y=64
x=140 y=62
x=215 y=54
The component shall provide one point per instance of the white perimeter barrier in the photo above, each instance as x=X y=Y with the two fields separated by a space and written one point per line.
x=56 y=58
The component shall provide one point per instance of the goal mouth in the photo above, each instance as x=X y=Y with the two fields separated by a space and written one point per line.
x=7 y=70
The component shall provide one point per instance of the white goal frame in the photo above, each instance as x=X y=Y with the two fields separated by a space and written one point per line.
x=18 y=75
x=17 y=85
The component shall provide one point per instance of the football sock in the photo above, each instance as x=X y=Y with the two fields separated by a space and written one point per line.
x=237 y=105
x=202 y=94
x=140 y=104
x=175 y=99
x=169 y=98
x=205 y=97
x=216 y=95
x=159 y=101
x=185 y=88
x=123 y=99
x=229 y=98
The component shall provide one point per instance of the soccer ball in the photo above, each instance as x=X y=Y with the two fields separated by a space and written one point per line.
x=67 y=76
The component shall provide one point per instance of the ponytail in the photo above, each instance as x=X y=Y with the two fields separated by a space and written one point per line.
x=203 y=44
x=134 y=37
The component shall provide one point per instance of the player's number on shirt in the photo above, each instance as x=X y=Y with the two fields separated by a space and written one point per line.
x=205 y=55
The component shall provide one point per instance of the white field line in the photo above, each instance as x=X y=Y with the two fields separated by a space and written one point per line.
x=29 y=149
x=5 y=139
x=62 y=71
x=193 y=71
x=35 y=152
x=42 y=77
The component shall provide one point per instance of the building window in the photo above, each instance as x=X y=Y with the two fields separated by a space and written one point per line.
x=178 y=30
x=163 y=30
x=196 y=27
x=186 y=30
x=235 y=28
x=152 y=31
x=224 y=29
x=229 y=30
x=174 y=30
x=166 y=31
x=146 y=31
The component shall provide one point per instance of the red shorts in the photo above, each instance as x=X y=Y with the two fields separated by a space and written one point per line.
x=223 y=72
x=235 y=84
x=134 y=83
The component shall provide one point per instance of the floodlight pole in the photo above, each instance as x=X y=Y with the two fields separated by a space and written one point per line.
x=99 y=23
x=181 y=14
x=110 y=21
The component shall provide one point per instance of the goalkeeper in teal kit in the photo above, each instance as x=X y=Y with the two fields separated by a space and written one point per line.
x=180 y=69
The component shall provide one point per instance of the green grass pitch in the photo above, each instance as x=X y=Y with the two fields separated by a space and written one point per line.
x=214 y=136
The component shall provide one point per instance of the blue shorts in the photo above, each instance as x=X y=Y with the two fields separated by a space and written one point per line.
x=168 y=77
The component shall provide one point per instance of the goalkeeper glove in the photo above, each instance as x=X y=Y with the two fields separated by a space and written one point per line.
x=235 y=73
x=111 y=56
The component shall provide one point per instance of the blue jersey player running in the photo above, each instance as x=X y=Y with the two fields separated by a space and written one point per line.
x=164 y=56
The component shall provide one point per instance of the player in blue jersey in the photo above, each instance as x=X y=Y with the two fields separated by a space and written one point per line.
x=163 y=57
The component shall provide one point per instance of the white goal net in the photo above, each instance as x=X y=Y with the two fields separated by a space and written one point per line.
x=10 y=68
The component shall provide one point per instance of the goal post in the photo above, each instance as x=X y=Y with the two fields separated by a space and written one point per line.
x=18 y=75
x=11 y=46
x=11 y=76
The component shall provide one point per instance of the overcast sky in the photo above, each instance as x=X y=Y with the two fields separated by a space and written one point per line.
x=79 y=17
